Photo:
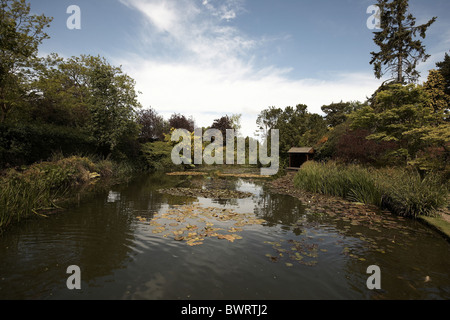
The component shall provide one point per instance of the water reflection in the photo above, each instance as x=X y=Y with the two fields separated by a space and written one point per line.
x=318 y=255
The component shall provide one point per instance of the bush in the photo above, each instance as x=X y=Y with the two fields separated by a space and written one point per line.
x=158 y=156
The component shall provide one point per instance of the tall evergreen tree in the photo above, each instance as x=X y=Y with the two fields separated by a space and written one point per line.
x=400 y=51
x=444 y=69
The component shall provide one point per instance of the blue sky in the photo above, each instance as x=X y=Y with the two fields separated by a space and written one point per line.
x=208 y=58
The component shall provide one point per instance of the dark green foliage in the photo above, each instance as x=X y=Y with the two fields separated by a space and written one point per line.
x=337 y=113
x=26 y=144
x=444 y=69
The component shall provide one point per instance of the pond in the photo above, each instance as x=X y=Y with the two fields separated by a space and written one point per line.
x=136 y=241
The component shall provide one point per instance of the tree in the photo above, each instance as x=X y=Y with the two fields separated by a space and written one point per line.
x=60 y=94
x=21 y=33
x=236 y=123
x=399 y=114
x=337 y=113
x=399 y=52
x=439 y=100
x=222 y=125
x=267 y=120
x=153 y=126
x=297 y=127
x=104 y=96
x=179 y=121
x=444 y=69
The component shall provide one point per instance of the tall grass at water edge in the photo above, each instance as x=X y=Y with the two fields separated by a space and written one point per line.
x=402 y=191
x=36 y=189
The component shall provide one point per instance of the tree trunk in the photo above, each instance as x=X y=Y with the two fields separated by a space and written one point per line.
x=400 y=68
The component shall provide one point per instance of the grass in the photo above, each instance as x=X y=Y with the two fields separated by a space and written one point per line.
x=402 y=191
x=36 y=189
x=439 y=224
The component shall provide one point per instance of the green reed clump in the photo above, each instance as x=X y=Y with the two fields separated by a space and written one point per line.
x=402 y=191
x=21 y=197
x=351 y=182
x=35 y=189
x=406 y=193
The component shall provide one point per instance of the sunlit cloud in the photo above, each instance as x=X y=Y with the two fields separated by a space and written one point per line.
x=216 y=75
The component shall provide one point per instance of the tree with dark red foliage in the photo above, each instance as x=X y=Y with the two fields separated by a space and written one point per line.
x=222 y=125
x=353 y=146
x=179 y=121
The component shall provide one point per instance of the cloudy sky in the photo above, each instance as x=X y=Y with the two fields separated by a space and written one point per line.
x=209 y=58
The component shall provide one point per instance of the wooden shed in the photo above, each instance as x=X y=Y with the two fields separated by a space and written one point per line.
x=298 y=156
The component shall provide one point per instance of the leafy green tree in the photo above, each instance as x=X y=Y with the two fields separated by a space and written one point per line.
x=236 y=123
x=297 y=127
x=396 y=115
x=60 y=94
x=267 y=120
x=399 y=51
x=21 y=33
x=92 y=95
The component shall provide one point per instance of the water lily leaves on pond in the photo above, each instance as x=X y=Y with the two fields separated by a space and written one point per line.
x=271 y=257
x=194 y=223
x=159 y=230
x=299 y=251
x=207 y=193
x=226 y=236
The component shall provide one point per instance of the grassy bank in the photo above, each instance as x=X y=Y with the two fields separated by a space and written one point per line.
x=40 y=188
x=403 y=192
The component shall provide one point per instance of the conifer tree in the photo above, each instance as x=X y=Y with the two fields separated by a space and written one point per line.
x=400 y=51
x=444 y=69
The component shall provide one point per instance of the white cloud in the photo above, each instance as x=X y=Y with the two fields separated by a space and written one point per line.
x=215 y=75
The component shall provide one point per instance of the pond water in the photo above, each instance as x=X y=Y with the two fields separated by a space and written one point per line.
x=135 y=242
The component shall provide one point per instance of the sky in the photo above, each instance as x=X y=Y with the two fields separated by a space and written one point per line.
x=211 y=58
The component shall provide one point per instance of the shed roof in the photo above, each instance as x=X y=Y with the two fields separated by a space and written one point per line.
x=301 y=150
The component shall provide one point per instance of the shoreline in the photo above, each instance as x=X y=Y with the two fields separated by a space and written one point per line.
x=315 y=201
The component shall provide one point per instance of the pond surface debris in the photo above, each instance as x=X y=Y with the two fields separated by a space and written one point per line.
x=193 y=223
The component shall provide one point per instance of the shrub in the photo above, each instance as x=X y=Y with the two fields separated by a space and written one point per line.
x=158 y=156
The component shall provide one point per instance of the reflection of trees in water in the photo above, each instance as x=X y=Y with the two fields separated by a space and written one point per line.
x=278 y=209
x=108 y=225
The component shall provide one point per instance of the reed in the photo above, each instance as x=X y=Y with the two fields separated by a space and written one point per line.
x=400 y=190
x=36 y=189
